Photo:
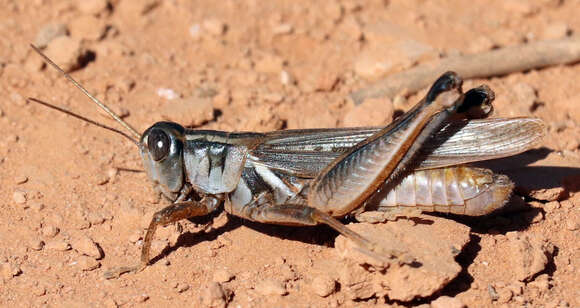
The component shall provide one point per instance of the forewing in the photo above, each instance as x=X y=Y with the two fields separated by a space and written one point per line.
x=306 y=152
x=481 y=140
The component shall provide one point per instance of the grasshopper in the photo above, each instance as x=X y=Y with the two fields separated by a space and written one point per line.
x=317 y=176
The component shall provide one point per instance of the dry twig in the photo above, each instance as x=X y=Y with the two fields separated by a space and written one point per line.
x=492 y=63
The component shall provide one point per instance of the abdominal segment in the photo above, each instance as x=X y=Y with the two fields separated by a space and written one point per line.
x=458 y=190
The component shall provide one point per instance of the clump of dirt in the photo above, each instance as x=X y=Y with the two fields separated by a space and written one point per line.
x=432 y=253
x=74 y=202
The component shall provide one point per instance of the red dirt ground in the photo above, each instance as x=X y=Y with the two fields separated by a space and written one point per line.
x=72 y=208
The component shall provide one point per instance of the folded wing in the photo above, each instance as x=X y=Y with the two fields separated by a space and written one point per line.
x=305 y=153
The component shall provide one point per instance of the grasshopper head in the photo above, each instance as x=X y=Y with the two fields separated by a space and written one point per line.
x=161 y=148
x=161 y=145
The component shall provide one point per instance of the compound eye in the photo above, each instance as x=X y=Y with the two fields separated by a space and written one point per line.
x=158 y=143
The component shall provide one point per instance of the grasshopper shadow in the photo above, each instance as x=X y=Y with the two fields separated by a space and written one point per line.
x=318 y=235
x=190 y=239
x=536 y=176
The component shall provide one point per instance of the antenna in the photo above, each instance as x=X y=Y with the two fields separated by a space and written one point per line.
x=133 y=132
x=80 y=117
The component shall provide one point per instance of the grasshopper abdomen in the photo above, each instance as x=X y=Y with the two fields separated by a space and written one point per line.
x=458 y=190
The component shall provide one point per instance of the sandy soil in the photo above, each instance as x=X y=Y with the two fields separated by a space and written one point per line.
x=73 y=206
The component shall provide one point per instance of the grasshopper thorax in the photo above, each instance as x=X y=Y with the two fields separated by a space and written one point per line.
x=161 y=148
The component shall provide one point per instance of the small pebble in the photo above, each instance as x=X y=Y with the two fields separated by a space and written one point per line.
x=529 y=255
x=286 y=78
x=9 y=270
x=34 y=64
x=556 y=30
x=87 y=27
x=519 y=299
x=551 y=206
x=548 y=194
x=87 y=263
x=271 y=287
x=82 y=224
x=279 y=261
x=18 y=100
x=101 y=179
x=93 y=7
x=272 y=97
x=213 y=296
x=195 y=31
x=141 y=298
x=36 y=244
x=286 y=273
x=567 y=204
x=13 y=138
x=352 y=6
x=38 y=290
x=95 y=218
x=135 y=237
x=333 y=10
x=269 y=63
x=135 y=8
x=49 y=32
x=222 y=99
x=86 y=246
x=168 y=94
x=222 y=275
x=214 y=26
x=323 y=286
x=182 y=287
x=66 y=51
x=190 y=111
x=126 y=84
x=533 y=216
x=49 y=231
x=112 y=173
x=505 y=295
x=281 y=29
x=572 y=145
x=492 y=293
x=54 y=219
x=447 y=302
x=159 y=245
x=326 y=80
x=19 y=197
x=351 y=29
x=378 y=60
x=572 y=224
x=524 y=93
x=58 y=245
x=480 y=44
x=523 y=8
x=110 y=302
x=541 y=282
x=517 y=287
x=21 y=179
x=372 y=111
